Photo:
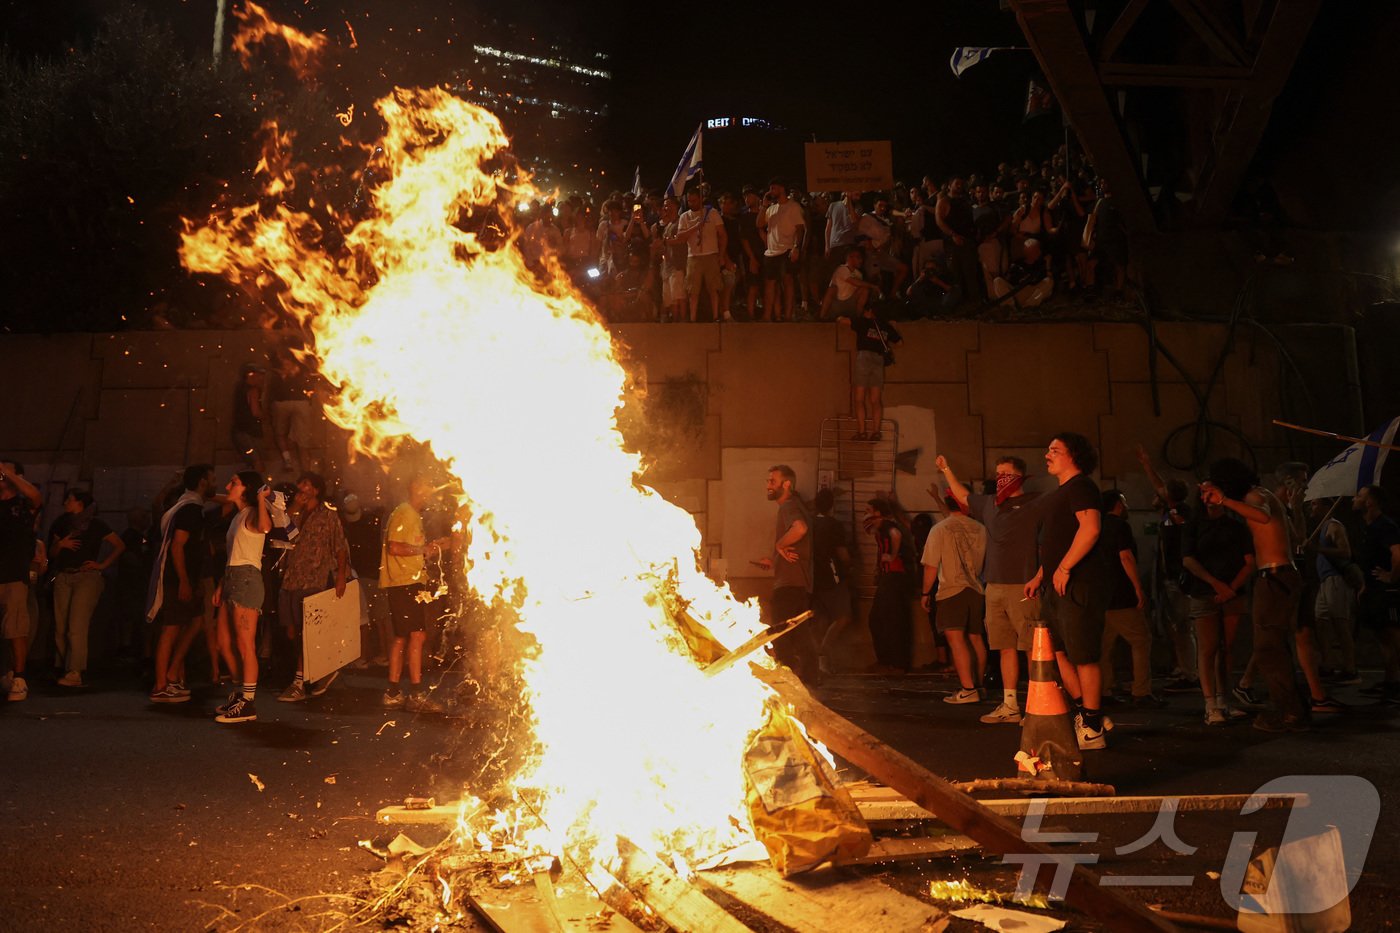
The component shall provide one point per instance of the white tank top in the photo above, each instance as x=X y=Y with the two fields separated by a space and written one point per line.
x=245 y=543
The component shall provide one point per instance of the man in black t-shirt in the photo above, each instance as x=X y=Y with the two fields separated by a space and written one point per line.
x=1071 y=578
x=364 y=533
x=19 y=500
x=831 y=592
x=1124 y=616
x=1217 y=555
x=175 y=602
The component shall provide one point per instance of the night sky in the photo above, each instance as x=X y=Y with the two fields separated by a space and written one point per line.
x=876 y=72
x=859 y=77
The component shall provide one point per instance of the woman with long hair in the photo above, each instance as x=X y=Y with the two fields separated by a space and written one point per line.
x=241 y=589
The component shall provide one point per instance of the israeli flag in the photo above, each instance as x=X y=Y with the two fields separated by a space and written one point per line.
x=964 y=58
x=692 y=161
x=1359 y=465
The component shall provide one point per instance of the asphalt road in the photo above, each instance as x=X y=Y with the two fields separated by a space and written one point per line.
x=121 y=815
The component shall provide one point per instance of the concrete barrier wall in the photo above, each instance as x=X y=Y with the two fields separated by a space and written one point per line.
x=119 y=412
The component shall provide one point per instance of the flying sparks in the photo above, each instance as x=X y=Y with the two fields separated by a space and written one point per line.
x=433 y=330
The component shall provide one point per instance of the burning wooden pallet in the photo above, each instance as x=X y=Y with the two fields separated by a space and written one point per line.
x=733 y=897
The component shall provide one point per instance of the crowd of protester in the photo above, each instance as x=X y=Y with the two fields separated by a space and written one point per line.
x=208 y=583
x=219 y=581
x=1313 y=578
x=1011 y=238
x=218 y=569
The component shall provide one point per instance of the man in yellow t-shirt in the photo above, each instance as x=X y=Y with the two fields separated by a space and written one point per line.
x=403 y=577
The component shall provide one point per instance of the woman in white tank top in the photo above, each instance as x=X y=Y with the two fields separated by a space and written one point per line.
x=241 y=591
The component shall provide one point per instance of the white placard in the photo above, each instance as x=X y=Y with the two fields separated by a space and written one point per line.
x=330 y=631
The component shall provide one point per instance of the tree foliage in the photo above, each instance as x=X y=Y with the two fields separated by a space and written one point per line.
x=101 y=152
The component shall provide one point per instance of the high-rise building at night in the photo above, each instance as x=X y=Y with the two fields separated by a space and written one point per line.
x=550 y=90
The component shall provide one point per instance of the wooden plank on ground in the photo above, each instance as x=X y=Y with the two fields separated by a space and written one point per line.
x=578 y=908
x=512 y=910
x=823 y=901
x=523 y=909
x=996 y=834
x=882 y=804
x=403 y=816
x=913 y=849
x=682 y=905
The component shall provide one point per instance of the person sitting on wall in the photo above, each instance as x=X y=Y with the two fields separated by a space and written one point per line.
x=1029 y=278
x=929 y=293
x=849 y=292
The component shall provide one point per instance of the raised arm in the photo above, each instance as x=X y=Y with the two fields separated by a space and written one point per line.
x=955 y=486
x=25 y=487
x=1158 y=485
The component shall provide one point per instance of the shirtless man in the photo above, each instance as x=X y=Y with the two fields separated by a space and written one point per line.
x=1278 y=586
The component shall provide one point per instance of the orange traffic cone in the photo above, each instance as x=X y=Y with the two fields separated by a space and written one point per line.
x=1049 y=748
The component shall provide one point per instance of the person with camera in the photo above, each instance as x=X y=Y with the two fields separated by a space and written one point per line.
x=321 y=558
x=874 y=342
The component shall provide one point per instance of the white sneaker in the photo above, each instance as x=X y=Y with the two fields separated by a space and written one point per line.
x=71 y=679
x=19 y=690
x=1003 y=713
x=965 y=695
x=1091 y=738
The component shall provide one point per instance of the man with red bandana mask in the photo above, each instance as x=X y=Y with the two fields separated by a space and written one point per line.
x=1011 y=524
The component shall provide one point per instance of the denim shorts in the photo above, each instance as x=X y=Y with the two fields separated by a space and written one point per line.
x=869 y=370
x=243 y=587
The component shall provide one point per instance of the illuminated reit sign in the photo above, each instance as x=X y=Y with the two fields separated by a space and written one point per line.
x=724 y=123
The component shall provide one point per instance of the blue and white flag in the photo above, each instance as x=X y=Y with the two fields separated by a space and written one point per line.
x=692 y=161
x=964 y=58
x=1359 y=465
x=637 y=182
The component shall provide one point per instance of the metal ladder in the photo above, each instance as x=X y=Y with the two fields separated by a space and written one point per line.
x=856 y=471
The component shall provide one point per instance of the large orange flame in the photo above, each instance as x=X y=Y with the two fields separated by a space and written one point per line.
x=429 y=333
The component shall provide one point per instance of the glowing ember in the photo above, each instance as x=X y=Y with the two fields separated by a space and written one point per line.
x=515 y=385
